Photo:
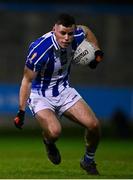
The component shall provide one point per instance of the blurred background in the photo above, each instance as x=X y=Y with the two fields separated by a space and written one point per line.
x=108 y=89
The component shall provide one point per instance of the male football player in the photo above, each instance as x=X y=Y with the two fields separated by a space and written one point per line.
x=45 y=86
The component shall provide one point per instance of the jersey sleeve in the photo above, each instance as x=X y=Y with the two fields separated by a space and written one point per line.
x=79 y=36
x=32 y=61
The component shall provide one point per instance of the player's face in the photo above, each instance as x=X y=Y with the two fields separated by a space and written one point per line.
x=64 y=35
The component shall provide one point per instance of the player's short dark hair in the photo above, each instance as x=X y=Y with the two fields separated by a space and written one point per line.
x=65 y=19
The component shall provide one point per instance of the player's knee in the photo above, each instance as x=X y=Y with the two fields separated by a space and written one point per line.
x=54 y=132
x=94 y=125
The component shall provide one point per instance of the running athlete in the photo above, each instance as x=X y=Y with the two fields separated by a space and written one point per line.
x=45 y=86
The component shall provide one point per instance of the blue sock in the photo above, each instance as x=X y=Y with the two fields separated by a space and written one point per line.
x=89 y=155
x=89 y=158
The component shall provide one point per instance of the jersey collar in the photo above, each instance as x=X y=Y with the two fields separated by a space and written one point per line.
x=55 y=43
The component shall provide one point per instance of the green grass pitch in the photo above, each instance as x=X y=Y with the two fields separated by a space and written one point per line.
x=22 y=156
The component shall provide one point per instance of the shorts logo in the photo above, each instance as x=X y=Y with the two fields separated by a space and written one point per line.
x=74 y=97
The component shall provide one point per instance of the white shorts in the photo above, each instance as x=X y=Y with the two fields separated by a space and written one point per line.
x=68 y=97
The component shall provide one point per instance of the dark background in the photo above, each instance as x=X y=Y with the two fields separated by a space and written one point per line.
x=21 y=23
x=111 y=21
x=75 y=1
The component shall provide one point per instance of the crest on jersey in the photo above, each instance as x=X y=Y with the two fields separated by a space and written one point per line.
x=32 y=57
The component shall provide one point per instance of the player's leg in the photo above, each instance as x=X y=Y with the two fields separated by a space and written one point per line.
x=80 y=112
x=51 y=131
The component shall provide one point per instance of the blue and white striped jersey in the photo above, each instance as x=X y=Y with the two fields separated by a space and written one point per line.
x=52 y=63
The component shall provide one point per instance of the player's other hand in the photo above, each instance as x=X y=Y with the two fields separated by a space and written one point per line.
x=19 y=119
x=98 y=58
x=99 y=55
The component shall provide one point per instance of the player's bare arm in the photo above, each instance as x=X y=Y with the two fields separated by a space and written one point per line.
x=24 y=95
x=90 y=36
x=26 y=87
